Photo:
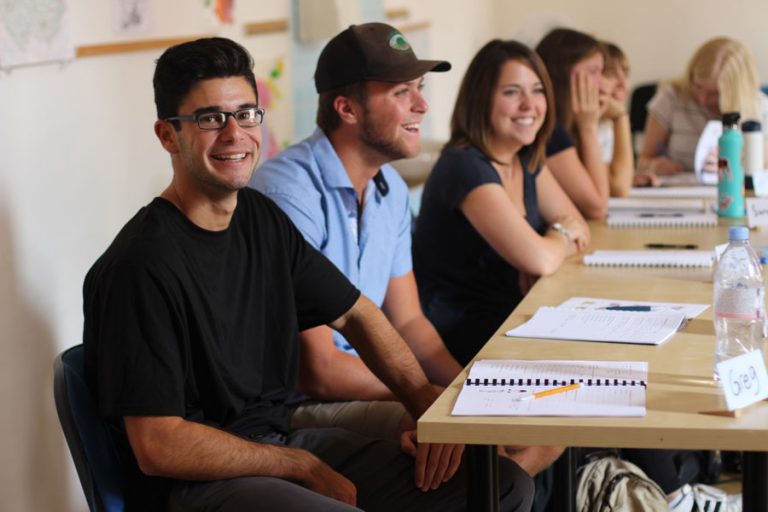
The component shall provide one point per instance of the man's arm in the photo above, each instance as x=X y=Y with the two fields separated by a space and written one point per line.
x=172 y=447
x=387 y=355
x=327 y=373
x=401 y=305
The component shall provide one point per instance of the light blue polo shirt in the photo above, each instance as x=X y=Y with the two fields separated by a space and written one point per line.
x=310 y=184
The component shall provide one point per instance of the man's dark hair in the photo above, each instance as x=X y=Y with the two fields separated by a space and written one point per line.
x=327 y=117
x=181 y=67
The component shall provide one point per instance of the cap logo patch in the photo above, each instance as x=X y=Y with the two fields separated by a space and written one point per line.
x=398 y=42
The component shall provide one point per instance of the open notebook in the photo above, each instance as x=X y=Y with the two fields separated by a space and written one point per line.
x=622 y=219
x=608 y=388
x=650 y=258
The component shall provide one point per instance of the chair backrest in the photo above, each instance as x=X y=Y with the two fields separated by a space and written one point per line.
x=88 y=437
x=638 y=113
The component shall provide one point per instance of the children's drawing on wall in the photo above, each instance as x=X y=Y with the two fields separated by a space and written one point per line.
x=270 y=97
x=132 y=16
x=222 y=9
x=34 y=32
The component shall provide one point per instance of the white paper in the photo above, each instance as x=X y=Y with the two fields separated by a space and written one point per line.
x=690 y=310
x=707 y=142
x=622 y=395
x=744 y=379
x=35 y=32
x=645 y=328
x=760 y=183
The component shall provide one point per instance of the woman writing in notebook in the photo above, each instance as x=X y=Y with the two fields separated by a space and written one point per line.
x=720 y=77
x=576 y=61
x=492 y=215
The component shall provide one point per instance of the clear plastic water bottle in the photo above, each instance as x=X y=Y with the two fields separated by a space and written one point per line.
x=739 y=298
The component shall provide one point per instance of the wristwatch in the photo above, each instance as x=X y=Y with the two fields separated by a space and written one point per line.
x=562 y=229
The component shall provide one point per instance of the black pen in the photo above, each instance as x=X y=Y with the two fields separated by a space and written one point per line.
x=671 y=246
x=650 y=215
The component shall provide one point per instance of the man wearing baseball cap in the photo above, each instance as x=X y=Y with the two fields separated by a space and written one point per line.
x=339 y=190
x=351 y=205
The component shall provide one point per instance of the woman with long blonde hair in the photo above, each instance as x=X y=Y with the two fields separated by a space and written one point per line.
x=720 y=77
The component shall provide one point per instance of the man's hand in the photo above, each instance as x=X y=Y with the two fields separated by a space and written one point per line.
x=435 y=463
x=322 y=479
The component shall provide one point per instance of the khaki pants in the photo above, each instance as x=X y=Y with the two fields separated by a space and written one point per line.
x=374 y=419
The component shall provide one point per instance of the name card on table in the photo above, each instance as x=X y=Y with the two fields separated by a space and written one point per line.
x=744 y=379
x=757 y=212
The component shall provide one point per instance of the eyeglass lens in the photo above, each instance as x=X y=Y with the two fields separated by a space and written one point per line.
x=246 y=118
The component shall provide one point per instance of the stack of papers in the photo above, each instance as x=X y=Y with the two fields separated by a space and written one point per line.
x=615 y=326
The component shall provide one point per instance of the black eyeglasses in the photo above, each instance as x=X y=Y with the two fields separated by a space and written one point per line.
x=245 y=118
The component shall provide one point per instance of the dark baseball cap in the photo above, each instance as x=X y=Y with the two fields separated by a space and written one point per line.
x=370 y=51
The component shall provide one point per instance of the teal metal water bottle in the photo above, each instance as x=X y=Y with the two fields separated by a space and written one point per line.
x=730 y=183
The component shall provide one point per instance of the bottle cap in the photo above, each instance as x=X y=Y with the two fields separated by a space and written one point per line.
x=730 y=118
x=738 y=233
x=751 y=126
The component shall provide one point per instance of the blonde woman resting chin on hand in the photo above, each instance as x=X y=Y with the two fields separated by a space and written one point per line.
x=492 y=214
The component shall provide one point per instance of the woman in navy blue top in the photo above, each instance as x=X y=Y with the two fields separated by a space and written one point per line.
x=493 y=218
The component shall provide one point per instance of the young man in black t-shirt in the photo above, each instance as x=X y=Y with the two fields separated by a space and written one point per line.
x=191 y=320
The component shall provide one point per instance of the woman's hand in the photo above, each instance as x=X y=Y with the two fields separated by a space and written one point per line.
x=612 y=109
x=578 y=231
x=585 y=99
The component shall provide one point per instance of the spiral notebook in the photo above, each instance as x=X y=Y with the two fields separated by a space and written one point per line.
x=650 y=258
x=670 y=219
x=608 y=388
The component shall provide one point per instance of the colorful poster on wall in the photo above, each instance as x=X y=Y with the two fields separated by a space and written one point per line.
x=222 y=9
x=34 y=31
x=268 y=84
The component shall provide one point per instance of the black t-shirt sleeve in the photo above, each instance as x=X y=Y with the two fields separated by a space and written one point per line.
x=138 y=368
x=321 y=290
x=559 y=141
x=458 y=172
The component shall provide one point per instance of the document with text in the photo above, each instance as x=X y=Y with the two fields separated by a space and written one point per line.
x=645 y=328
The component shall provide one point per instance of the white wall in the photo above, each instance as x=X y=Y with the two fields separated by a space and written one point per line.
x=78 y=158
x=659 y=36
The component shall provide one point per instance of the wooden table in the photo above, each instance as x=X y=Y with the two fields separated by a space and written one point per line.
x=682 y=398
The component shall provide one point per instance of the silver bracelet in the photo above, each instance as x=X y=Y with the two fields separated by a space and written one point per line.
x=562 y=230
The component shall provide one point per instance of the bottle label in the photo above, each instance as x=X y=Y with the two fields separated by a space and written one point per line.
x=742 y=303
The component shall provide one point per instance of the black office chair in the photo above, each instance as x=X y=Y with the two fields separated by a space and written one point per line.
x=638 y=113
x=88 y=437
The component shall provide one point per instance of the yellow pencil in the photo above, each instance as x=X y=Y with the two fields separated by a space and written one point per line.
x=548 y=392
